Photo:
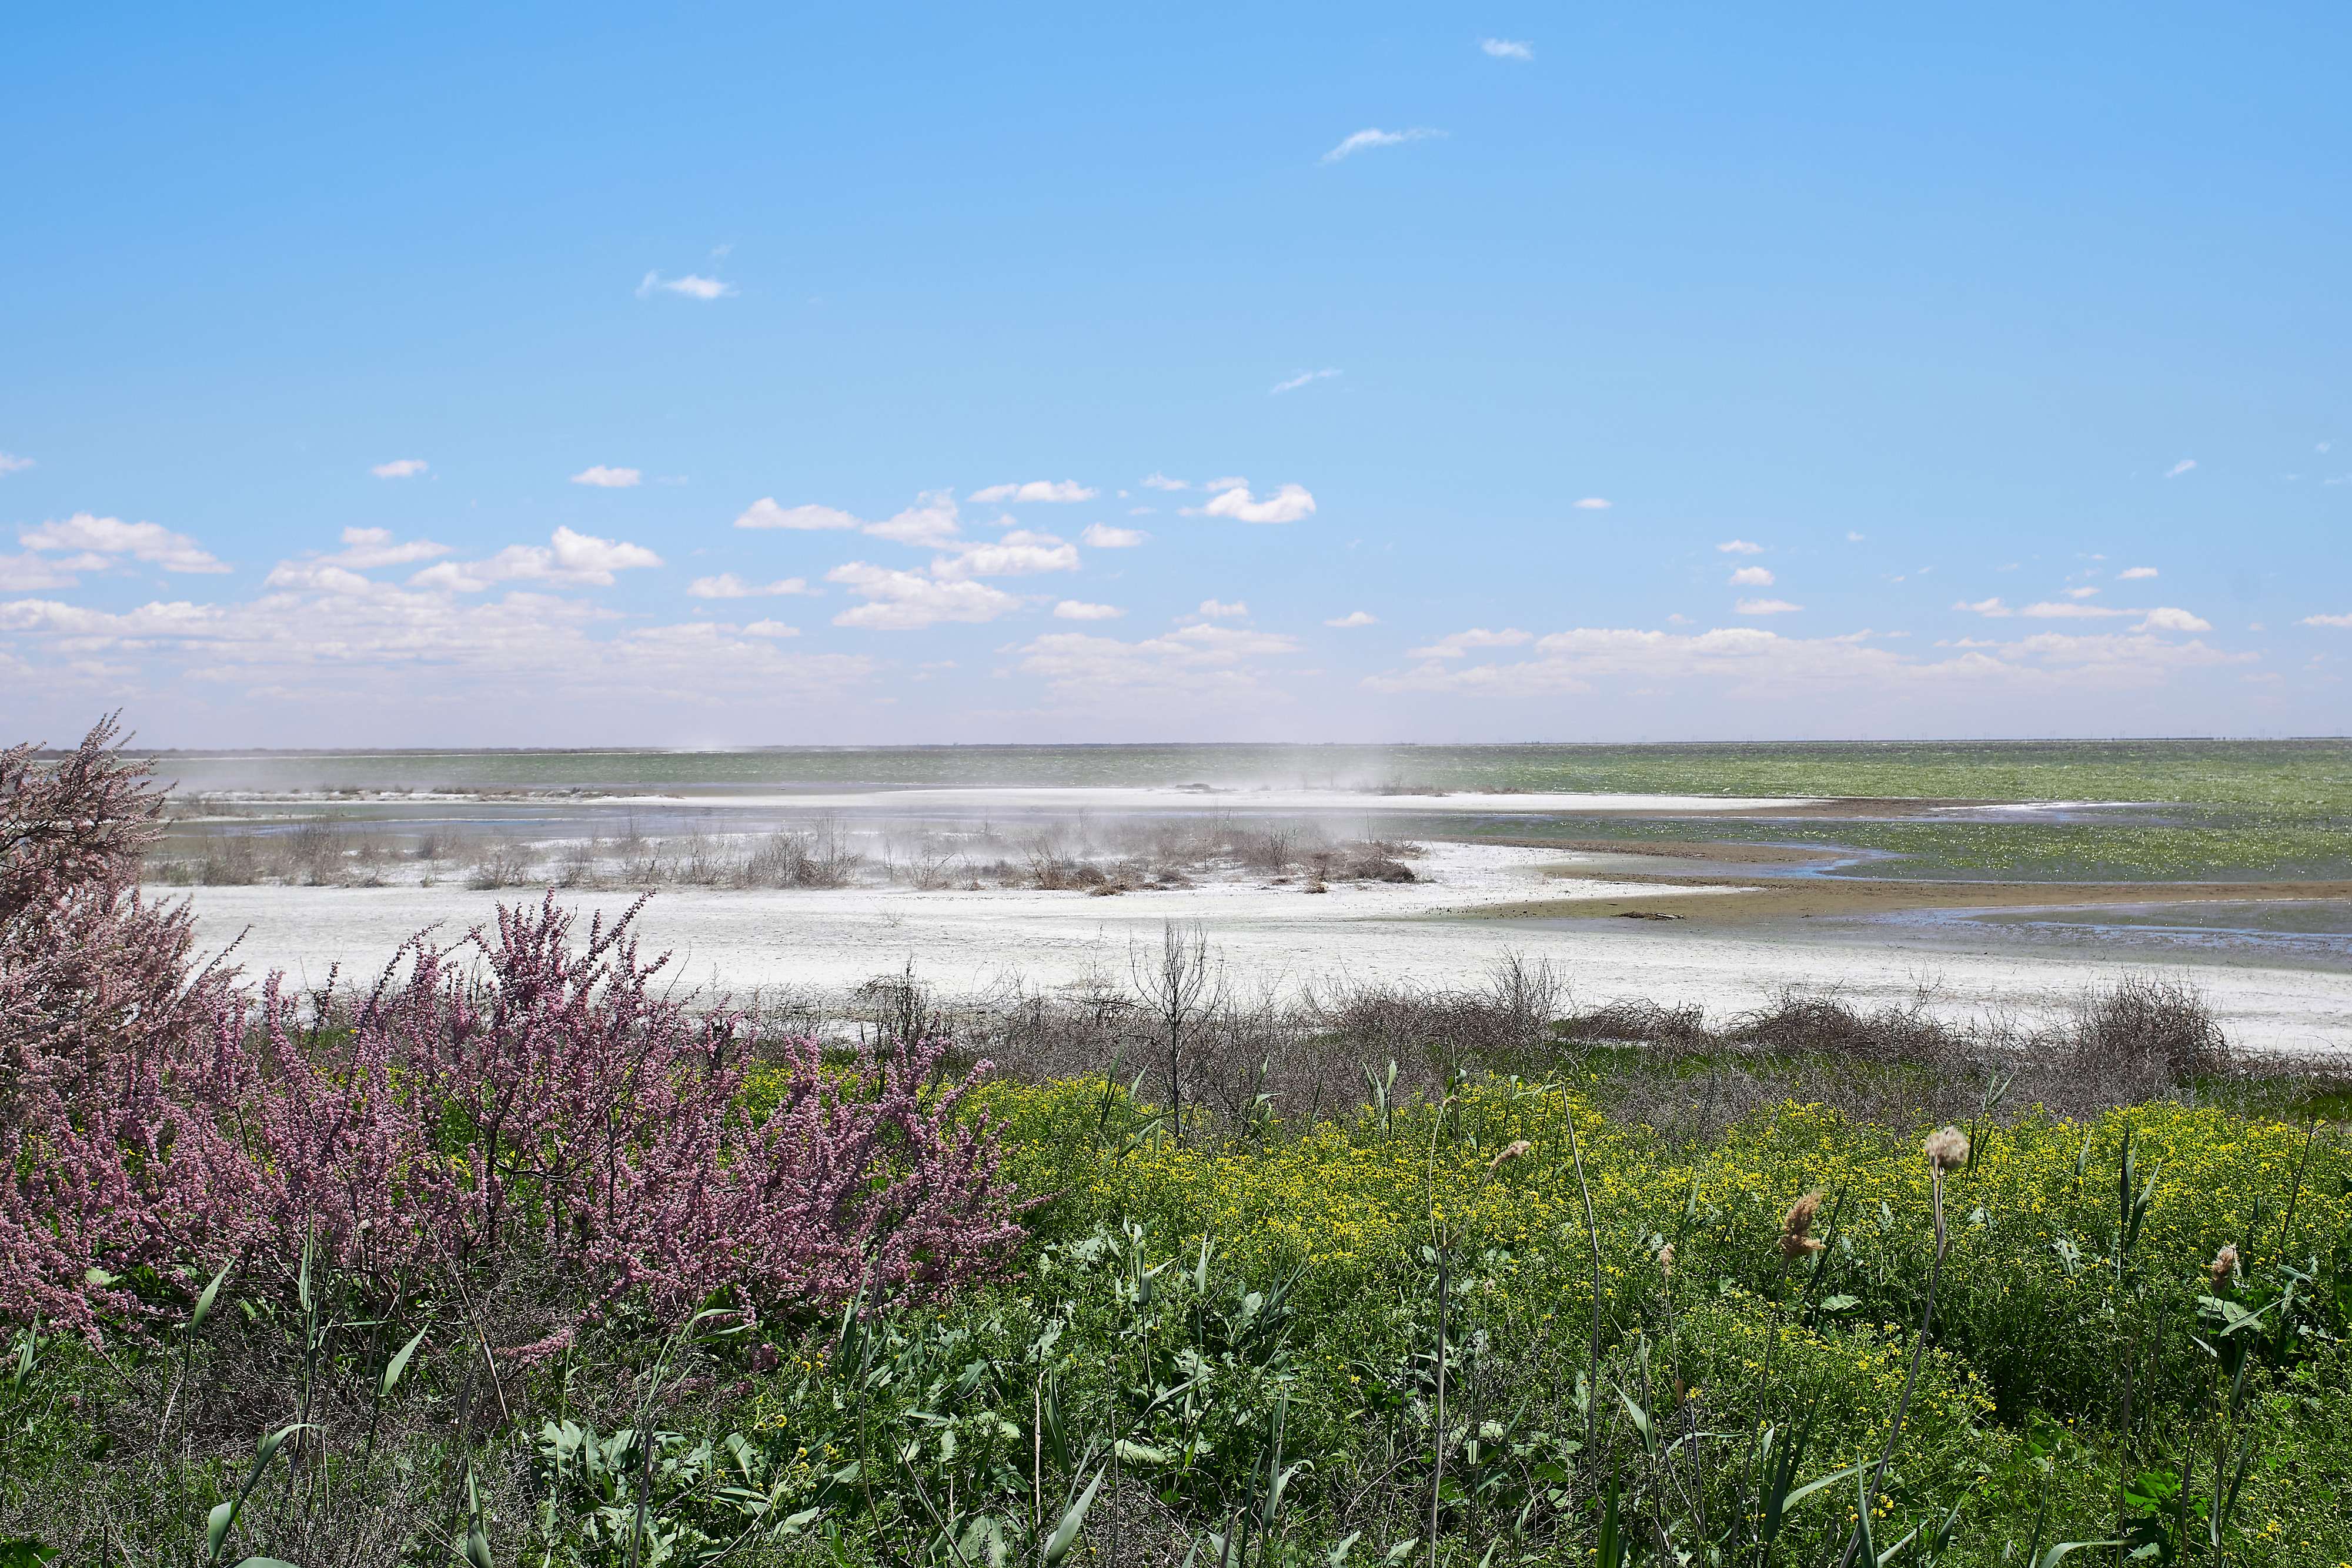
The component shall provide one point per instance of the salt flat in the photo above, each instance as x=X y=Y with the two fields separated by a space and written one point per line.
x=966 y=942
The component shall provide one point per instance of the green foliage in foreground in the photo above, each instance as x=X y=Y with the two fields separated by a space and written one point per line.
x=1285 y=1350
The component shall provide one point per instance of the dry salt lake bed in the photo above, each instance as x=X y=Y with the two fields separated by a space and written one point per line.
x=1999 y=877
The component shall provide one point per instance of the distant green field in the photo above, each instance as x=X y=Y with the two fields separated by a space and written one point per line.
x=2310 y=776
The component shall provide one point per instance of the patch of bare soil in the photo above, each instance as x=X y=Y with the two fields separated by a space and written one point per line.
x=1811 y=897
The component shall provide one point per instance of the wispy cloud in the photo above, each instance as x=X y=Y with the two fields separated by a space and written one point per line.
x=1020 y=553
x=604 y=478
x=2132 y=573
x=2171 y=618
x=691 y=285
x=1304 y=378
x=1373 y=136
x=1080 y=610
x=12 y=463
x=1766 y=606
x=1233 y=500
x=1752 y=577
x=2341 y=621
x=1739 y=547
x=1594 y=503
x=726 y=585
x=931 y=522
x=1216 y=610
x=1354 y=618
x=764 y=513
x=1102 y=535
x=149 y=543
x=1158 y=481
x=1051 y=490
x=1507 y=48
x=399 y=468
x=2177 y=469
x=1457 y=644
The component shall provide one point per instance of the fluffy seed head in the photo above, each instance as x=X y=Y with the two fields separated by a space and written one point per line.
x=2224 y=1267
x=1666 y=1260
x=1947 y=1150
x=1797 y=1227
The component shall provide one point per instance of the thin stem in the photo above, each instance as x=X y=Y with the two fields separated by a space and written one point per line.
x=1910 y=1382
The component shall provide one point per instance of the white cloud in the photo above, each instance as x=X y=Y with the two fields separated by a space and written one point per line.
x=1354 y=618
x=2177 y=469
x=606 y=478
x=1739 y=547
x=1852 y=537
x=567 y=557
x=771 y=629
x=2341 y=621
x=1766 y=606
x=1992 y=607
x=1304 y=378
x=1101 y=536
x=1594 y=503
x=2081 y=593
x=692 y=286
x=2171 y=618
x=29 y=573
x=764 y=513
x=1372 y=136
x=151 y=543
x=1158 y=481
x=907 y=601
x=726 y=585
x=1216 y=610
x=1752 y=577
x=1018 y=554
x=2071 y=610
x=1751 y=661
x=1047 y=490
x=12 y=463
x=1507 y=48
x=399 y=468
x=1287 y=505
x=364 y=549
x=2132 y=573
x=1080 y=610
x=930 y=521
x=1199 y=661
x=1459 y=643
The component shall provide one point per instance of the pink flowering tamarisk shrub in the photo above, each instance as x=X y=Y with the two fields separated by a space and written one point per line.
x=523 y=1102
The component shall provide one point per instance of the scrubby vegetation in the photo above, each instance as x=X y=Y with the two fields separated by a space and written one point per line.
x=506 y=1257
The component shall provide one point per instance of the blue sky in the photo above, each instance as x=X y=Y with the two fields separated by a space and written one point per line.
x=1646 y=372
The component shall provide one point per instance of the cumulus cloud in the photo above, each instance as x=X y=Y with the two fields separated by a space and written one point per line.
x=399 y=468
x=1354 y=618
x=691 y=285
x=569 y=558
x=1080 y=610
x=1594 y=503
x=1739 y=547
x=1303 y=378
x=364 y=549
x=1048 y=490
x=12 y=463
x=1233 y=500
x=1018 y=554
x=1507 y=48
x=909 y=602
x=1373 y=136
x=932 y=521
x=1217 y=609
x=149 y=543
x=726 y=585
x=606 y=478
x=2177 y=469
x=1459 y=643
x=2171 y=617
x=29 y=573
x=1102 y=535
x=771 y=629
x=2340 y=620
x=764 y=513
x=2132 y=573
x=1752 y=577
